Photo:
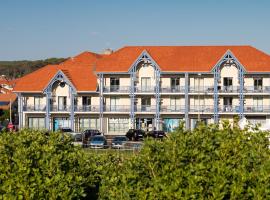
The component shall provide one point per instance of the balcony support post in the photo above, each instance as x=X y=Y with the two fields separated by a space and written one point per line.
x=101 y=87
x=241 y=92
x=186 y=101
x=20 y=110
x=216 y=80
x=157 y=96
x=132 y=96
x=47 y=115
x=71 y=94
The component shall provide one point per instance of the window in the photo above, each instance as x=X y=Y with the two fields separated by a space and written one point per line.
x=89 y=123
x=175 y=103
x=227 y=83
x=62 y=103
x=227 y=102
x=146 y=104
x=114 y=103
x=175 y=84
x=118 y=125
x=198 y=84
x=199 y=103
x=258 y=104
x=114 y=84
x=86 y=103
x=37 y=103
x=146 y=84
x=258 y=84
x=36 y=123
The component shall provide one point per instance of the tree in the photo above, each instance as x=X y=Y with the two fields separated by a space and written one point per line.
x=40 y=165
x=206 y=163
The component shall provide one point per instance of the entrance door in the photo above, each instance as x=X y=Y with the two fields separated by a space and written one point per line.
x=61 y=122
x=145 y=124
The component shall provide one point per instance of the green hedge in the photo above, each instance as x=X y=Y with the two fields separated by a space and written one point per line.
x=206 y=163
x=38 y=165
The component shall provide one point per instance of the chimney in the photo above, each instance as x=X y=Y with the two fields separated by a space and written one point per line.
x=107 y=52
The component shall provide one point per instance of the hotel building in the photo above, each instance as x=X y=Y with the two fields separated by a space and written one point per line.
x=147 y=87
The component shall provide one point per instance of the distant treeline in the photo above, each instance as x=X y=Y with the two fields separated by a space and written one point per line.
x=16 y=69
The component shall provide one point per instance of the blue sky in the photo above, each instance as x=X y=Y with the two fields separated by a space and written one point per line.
x=38 y=29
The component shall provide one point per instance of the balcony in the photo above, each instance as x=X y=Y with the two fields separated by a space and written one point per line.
x=202 y=108
x=228 y=89
x=257 y=89
x=86 y=108
x=145 y=108
x=201 y=89
x=143 y=89
x=62 y=108
x=172 y=108
x=34 y=108
x=116 y=89
x=176 y=89
x=117 y=108
x=256 y=109
x=229 y=109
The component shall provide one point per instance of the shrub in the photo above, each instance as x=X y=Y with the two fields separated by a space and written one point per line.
x=206 y=163
x=38 y=165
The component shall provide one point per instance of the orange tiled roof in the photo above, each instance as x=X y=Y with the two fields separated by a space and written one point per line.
x=7 y=98
x=185 y=58
x=78 y=69
x=81 y=69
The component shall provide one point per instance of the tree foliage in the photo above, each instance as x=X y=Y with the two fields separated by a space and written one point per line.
x=206 y=163
x=16 y=69
x=38 y=165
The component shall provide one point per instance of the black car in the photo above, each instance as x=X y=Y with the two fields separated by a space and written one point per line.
x=119 y=142
x=88 y=134
x=156 y=134
x=135 y=134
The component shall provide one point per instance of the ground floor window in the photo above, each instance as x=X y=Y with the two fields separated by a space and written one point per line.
x=89 y=123
x=118 y=125
x=169 y=125
x=36 y=122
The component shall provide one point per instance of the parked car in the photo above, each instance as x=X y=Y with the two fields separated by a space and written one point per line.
x=88 y=134
x=135 y=134
x=119 y=142
x=156 y=134
x=98 y=141
x=77 y=139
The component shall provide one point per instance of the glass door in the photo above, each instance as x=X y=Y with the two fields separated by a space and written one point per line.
x=114 y=103
x=146 y=84
x=62 y=103
x=227 y=83
x=258 y=104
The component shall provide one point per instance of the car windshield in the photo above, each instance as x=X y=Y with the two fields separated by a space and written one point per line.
x=66 y=130
x=120 y=139
x=78 y=137
x=97 y=139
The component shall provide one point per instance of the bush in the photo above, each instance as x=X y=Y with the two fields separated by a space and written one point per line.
x=207 y=163
x=38 y=165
